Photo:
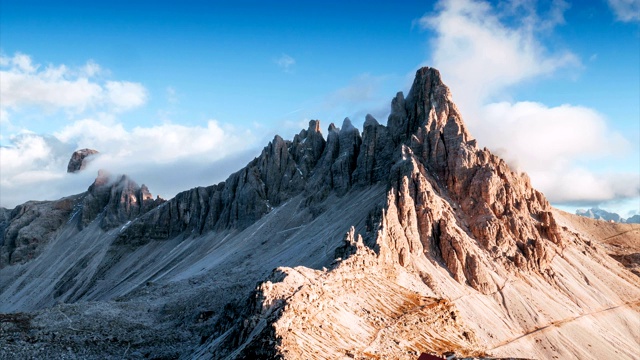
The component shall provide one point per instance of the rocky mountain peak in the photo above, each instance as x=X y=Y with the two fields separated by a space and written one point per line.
x=369 y=120
x=118 y=198
x=347 y=126
x=80 y=159
x=464 y=204
x=314 y=126
x=446 y=249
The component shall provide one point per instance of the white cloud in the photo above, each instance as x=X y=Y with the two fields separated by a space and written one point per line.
x=168 y=158
x=4 y=116
x=549 y=143
x=125 y=95
x=481 y=57
x=285 y=62
x=32 y=169
x=23 y=63
x=53 y=88
x=160 y=143
x=626 y=10
x=539 y=136
x=579 y=185
x=91 y=69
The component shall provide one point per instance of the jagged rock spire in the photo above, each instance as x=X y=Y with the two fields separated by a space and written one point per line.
x=118 y=198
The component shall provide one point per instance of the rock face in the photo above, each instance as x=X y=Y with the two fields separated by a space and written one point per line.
x=308 y=165
x=79 y=159
x=446 y=249
x=118 y=199
x=451 y=200
x=25 y=229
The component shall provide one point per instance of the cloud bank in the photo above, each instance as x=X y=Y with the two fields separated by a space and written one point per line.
x=482 y=52
x=167 y=157
x=52 y=88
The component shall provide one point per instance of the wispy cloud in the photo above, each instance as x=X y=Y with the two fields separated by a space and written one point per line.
x=361 y=96
x=481 y=56
x=172 y=95
x=285 y=62
x=626 y=10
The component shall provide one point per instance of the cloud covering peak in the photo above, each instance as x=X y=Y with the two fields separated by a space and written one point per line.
x=483 y=52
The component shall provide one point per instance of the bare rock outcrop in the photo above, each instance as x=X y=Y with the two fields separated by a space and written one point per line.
x=460 y=200
x=298 y=313
x=117 y=199
x=308 y=147
x=28 y=227
x=267 y=181
x=375 y=155
x=113 y=201
x=80 y=159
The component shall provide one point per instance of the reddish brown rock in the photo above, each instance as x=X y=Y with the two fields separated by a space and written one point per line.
x=80 y=159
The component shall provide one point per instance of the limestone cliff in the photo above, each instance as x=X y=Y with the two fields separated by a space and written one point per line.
x=117 y=199
x=25 y=230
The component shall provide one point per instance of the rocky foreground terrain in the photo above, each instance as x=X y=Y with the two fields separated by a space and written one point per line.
x=404 y=239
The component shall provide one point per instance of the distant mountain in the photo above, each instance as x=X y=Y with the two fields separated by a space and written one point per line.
x=403 y=239
x=600 y=214
x=635 y=219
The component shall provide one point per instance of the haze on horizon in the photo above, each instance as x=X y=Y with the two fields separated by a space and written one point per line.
x=181 y=96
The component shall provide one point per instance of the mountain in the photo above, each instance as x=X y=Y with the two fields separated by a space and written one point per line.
x=404 y=239
x=600 y=214
x=635 y=219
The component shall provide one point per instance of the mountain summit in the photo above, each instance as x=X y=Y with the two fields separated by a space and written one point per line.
x=404 y=239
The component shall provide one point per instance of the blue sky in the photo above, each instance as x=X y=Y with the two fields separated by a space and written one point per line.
x=553 y=86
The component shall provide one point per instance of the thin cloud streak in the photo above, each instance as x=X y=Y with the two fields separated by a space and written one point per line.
x=626 y=10
x=285 y=62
